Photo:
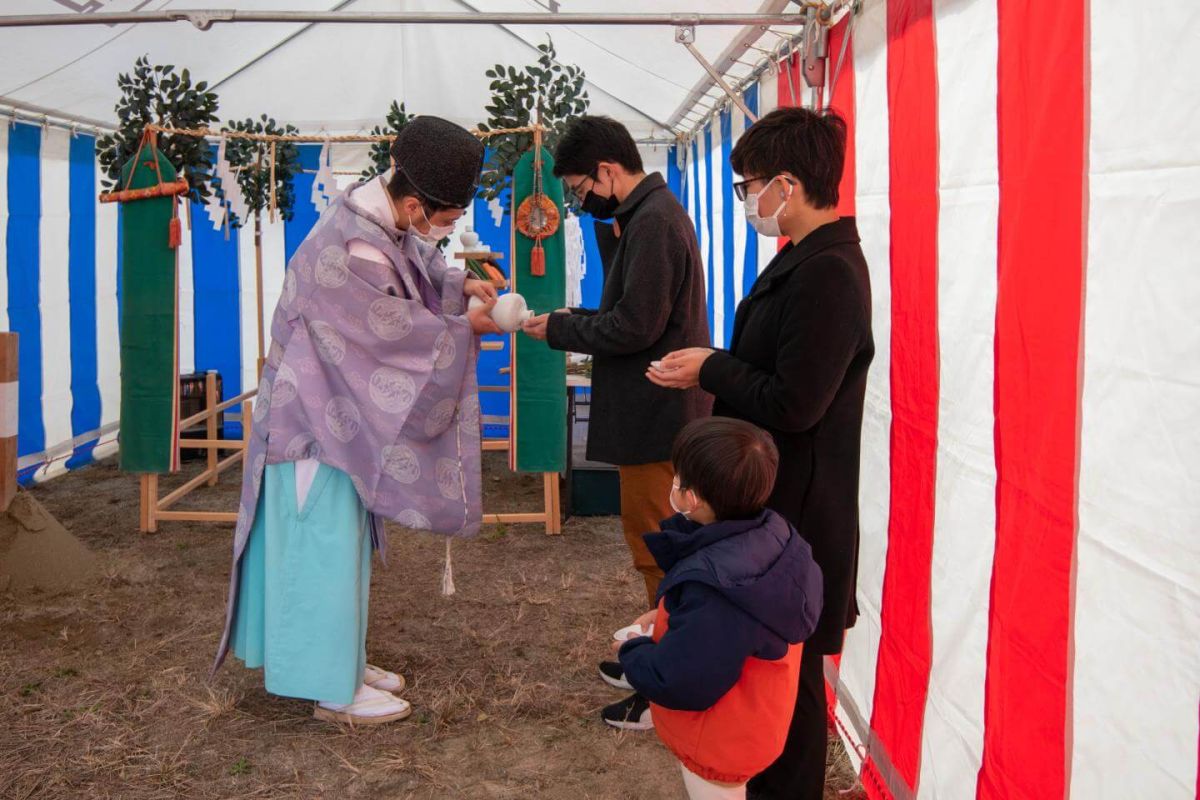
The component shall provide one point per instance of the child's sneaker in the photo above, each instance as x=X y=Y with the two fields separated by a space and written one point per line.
x=370 y=707
x=613 y=675
x=631 y=714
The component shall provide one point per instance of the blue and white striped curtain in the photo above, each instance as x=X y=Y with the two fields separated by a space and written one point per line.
x=58 y=291
x=734 y=254
x=59 y=282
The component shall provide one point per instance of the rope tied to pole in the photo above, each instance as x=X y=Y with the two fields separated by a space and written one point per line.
x=296 y=137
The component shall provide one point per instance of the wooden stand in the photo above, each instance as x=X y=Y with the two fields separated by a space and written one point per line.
x=484 y=255
x=154 y=509
x=551 y=513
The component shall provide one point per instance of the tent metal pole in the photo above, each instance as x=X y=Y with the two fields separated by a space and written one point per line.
x=206 y=18
x=17 y=111
x=720 y=81
x=746 y=38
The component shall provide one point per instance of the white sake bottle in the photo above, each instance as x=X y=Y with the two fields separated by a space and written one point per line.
x=508 y=313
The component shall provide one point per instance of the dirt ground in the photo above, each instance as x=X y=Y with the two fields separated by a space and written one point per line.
x=104 y=691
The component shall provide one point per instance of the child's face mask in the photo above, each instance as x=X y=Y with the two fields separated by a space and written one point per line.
x=671 y=499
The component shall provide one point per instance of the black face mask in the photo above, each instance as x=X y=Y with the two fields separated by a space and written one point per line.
x=600 y=207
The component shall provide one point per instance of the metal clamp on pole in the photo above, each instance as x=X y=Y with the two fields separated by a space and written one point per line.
x=813 y=58
x=686 y=36
x=203 y=20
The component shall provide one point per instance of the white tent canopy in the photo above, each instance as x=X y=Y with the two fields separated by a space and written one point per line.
x=341 y=78
x=1025 y=179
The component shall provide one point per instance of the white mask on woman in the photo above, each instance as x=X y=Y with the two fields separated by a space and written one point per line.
x=766 y=226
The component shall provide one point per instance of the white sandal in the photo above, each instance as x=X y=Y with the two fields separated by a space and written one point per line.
x=378 y=678
x=370 y=707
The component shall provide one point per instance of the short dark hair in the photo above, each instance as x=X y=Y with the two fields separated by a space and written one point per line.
x=590 y=140
x=809 y=144
x=400 y=186
x=731 y=464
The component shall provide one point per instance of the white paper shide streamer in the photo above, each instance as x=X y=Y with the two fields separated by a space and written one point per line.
x=229 y=199
x=325 y=187
x=576 y=265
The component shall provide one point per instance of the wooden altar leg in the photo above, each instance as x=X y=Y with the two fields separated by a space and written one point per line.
x=210 y=424
x=550 y=495
x=149 y=503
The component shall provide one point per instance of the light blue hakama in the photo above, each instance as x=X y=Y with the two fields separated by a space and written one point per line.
x=303 y=589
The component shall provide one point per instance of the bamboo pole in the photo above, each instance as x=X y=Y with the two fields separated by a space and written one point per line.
x=258 y=291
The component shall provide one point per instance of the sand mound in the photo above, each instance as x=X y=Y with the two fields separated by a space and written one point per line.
x=37 y=553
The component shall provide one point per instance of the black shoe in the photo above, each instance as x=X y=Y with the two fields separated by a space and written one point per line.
x=631 y=714
x=613 y=675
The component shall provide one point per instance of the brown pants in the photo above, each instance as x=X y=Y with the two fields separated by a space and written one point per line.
x=645 y=502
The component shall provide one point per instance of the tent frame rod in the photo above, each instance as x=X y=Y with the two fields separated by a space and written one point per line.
x=719 y=80
x=16 y=111
x=206 y=18
x=748 y=36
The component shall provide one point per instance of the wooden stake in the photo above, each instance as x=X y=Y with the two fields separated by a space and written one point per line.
x=152 y=506
x=210 y=424
x=8 y=418
x=550 y=498
x=144 y=501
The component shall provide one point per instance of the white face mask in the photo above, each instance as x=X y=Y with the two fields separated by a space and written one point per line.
x=766 y=226
x=671 y=500
x=435 y=233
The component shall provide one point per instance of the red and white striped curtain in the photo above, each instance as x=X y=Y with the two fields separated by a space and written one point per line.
x=1026 y=179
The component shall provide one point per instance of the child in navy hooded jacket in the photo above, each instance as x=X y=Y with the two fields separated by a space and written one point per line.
x=741 y=593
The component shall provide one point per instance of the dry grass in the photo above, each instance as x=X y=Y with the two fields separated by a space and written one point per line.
x=106 y=695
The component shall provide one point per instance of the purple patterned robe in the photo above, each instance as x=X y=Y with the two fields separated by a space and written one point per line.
x=371 y=370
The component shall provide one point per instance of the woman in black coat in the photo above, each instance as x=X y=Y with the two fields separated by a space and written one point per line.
x=797 y=366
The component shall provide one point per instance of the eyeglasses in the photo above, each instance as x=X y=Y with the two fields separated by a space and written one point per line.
x=741 y=188
x=577 y=189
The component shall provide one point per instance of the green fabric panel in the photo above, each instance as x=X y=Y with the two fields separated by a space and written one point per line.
x=541 y=401
x=148 y=348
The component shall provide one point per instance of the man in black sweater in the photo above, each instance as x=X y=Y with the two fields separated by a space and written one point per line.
x=653 y=303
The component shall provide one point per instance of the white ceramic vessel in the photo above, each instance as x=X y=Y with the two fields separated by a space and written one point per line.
x=469 y=239
x=508 y=313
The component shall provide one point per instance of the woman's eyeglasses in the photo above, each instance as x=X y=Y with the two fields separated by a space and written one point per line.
x=741 y=188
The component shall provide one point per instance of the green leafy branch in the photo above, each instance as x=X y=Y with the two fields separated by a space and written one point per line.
x=251 y=160
x=381 y=152
x=156 y=94
x=557 y=90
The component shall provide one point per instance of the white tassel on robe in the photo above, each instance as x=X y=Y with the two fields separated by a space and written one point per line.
x=448 y=573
